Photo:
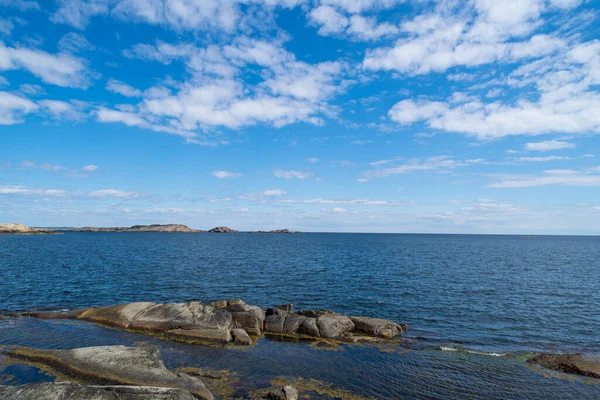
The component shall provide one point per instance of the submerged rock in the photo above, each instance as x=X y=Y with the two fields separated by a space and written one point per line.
x=115 y=365
x=577 y=364
x=73 y=391
x=19 y=229
x=223 y=229
x=382 y=328
x=283 y=393
x=141 y=228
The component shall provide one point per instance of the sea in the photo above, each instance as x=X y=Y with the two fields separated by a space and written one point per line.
x=477 y=306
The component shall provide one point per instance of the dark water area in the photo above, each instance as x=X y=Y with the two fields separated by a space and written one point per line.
x=476 y=305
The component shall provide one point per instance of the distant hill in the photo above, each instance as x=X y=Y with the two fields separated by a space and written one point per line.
x=141 y=228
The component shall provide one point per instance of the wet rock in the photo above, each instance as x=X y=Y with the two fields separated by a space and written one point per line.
x=577 y=364
x=241 y=336
x=274 y=323
x=211 y=335
x=378 y=327
x=334 y=326
x=73 y=391
x=283 y=393
x=115 y=365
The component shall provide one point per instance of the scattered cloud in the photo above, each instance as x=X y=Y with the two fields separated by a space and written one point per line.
x=561 y=177
x=225 y=174
x=279 y=173
x=275 y=192
x=549 y=145
x=114 y=193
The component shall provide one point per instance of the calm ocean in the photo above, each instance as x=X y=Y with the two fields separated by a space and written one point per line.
x=476 y=305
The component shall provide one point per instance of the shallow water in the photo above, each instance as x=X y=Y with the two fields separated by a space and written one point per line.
x=489 y=294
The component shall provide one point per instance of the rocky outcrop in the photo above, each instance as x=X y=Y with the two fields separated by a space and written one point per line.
x=115 y=365
x=276 y=231
x=329 y=324
x=18 y=229
x=577 y=364
x=141 y=228
x=234 y=320
x=71 y=391
x=223 y=229
x=283 y=393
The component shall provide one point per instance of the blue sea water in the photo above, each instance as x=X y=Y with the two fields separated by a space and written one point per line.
x=475 y=304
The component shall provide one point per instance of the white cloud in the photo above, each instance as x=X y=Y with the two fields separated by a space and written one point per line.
x=312 y=160
x=275 y=192
x=60 y=69
x=548 y=177
x=328 y=19
x=90 y=168
x=549 y=145
x=338 y=210
x=439 y=163
x=27 y=191
x=279 y=173
x=541 y=159
x=74 y=42
x=13 y=108
x=225 y=174
x=121 y=194
x=122 y=88
x=77 y=13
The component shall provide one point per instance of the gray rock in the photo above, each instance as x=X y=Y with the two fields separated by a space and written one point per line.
x=274 y=323
x=141 y=228
x=240 y=336
x=292 y=323
x=334 y=326
x=251 y=320
x=169 y=318
x=283 y=393
x=378 y=327
x=309 y=327
x=118 y=365
x=73 y=391
x=316 y=313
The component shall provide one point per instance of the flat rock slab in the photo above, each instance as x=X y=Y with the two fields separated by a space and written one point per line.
x=577 y=364
x=120 y=365
x=72 y=391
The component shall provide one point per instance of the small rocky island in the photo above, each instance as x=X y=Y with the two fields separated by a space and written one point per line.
x=223 y=229
x=278 y=231
x=18 y=229
x=141 y=228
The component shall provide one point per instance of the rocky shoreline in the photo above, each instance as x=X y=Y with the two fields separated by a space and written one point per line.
x=140 y=228
x=19 y=229
x=109 y=372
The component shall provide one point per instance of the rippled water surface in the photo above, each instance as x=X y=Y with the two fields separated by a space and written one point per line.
x=490 y=294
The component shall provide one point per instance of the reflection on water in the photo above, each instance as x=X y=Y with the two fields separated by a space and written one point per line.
x=407 y=371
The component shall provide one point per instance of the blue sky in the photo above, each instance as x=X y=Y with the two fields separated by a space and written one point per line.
x=449 y=116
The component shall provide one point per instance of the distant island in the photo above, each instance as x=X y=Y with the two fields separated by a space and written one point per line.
x=19 y=229
x=141 y=228
x=223 y=229
x=22 y=229
x=277 y=231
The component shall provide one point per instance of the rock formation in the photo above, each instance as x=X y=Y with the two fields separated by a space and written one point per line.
x=70 y=391
x=223 y=229
x=115 y=365
x=577 y=364
x=283 y=393
x=225 y=321
x=19 y=229
x=141 y=228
